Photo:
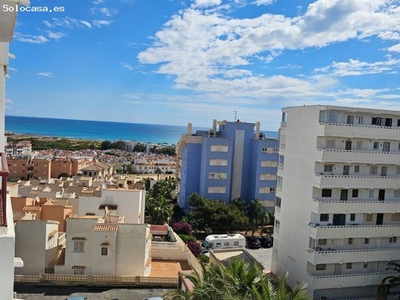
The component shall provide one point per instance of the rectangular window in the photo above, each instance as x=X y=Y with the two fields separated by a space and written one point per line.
x=278 y=202
x=330 y=144
x=219 y=148
x=352 y=217
x=371 y=193
x=365 y=265
x=321 y=242
x=369 y=218
x=397 y=170
x=328 y=168
x=79 y=272
x=213 y=175
x=376 y=145
x=324 y=218
x=266 y=163
x=272 y=189
x=359 y=145
x=356 y=169
x=393 y=240
x=218 y=245
x=349 y=266
x=354 y=193
x=320 y=267
x=235 y=243
x=396 y=193
x=373 y=170
x=395 y=217
x=104 y=251
x=350 y=241
x=267 y=177
x=216 y=190
x=226 y=244
x=326 y=193
x=360 y=119
x=366 y=241
x=218 y=162
x=79 y=246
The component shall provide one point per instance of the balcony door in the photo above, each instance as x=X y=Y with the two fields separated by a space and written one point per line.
x=350 y=119
x=348 y=145
x=381 y=195
x=386 y=147
x=339 y=219
x=344 y=194
x=346 y=170
x=383 y=171
x=388 y=122
x=379 y=219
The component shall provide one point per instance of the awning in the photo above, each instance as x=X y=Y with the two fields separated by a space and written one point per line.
x=104 y=244
x=78 y=238
x=109 y=206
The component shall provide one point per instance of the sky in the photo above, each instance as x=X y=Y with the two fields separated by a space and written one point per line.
x=179 y=61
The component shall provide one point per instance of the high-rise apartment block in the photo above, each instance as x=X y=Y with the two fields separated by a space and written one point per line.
x=337 y=208
x=235 y=161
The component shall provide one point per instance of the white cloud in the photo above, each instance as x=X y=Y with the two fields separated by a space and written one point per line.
x=67 y=22
x=45 y=74
x=100 y=23
x=197 y=49
x=9 y=101
x=27 y=38
x=55 y=35
x=207 y=3
x=86 y=23
x=394 y=48
x=97 y=2
x=264 y=2
x=107 y=12
x=355 y=67
x=127 y=66
x=12 y=69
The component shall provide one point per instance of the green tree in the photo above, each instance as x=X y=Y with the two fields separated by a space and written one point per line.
x=160 y=209
x=105 y=145
x=237 y=281
x=158 y=172
x=256 y=211
x=389 y=282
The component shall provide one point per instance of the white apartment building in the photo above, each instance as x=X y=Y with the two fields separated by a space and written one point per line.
x=94 y=247
x=337 y=208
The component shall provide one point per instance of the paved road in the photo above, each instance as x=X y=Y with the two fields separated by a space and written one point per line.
x=62 y=293
x=263 y=256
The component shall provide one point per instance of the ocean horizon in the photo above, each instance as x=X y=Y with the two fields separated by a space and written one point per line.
x=100 y=130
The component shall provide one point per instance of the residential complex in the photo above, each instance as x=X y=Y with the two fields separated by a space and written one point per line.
x=235 y=161
x=337 y=220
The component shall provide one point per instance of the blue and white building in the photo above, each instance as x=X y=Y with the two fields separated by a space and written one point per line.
x=235 y=161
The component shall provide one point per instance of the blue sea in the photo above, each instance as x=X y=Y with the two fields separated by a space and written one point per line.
x=99 y=130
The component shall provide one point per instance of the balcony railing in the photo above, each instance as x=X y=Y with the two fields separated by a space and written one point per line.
x=367 y=205
x=357 y=181
x=352 y=230
x=357 y=156
x=3 y=194
x=359 y=130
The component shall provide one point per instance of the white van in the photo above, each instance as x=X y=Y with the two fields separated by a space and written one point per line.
x=223 y=241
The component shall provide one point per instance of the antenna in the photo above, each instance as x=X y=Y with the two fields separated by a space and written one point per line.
x=235 y=115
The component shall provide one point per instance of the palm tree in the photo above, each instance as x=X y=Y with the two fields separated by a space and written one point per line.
x=160 y=209
x=237 y=281
x=158 y=172
x=389 y=282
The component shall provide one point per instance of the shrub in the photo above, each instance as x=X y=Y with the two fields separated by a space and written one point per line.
x=187 y=238
x=204 y=259
x=195 y=248
x=182 y=228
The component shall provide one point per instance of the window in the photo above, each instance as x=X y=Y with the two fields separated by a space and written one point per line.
x=373 y=170
x=376 y=145
x=352 y=217
x=213 y=175
x=272 y=189
x=396 y=194
x=216 y=189
x=328 y=168
x=321 y=242
x=267 y=177
x=350 y=241
x=79 y=272
x=79 y=246
x=326 y=193
x=278 y=202
x=365 y=265
x=369 y=218
x=359 y=145
x=393 y=240
x=219 y=148
x=284 y=117
x=269 y=150
x=218 y=162
x=324 y=218
x=397 y=169
x=395 y=217
x=371 y=193
x=330 y=144
x=349 y=266
x=226 y=244
x=217 y=245
x=354 y=193
x=320 y=267
x=236 y=243
x=104 y=251
x=360 y=119
x=376 y=121
x=357 y=169
x=366 y=241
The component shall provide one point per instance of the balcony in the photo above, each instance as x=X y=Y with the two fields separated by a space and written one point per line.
x=357 y=156
x=352 y=231
x=345 y=281
x=333 y=256
x=321 y=206
x=359 y=131
x=357 y=181
x=3 y=193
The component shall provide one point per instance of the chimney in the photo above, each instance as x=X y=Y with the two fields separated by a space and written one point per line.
x=189 y=128
x=258 y=130
x=215 y=127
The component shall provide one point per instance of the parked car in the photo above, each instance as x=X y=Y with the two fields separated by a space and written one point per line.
x=266 y=241
x=252 y=242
